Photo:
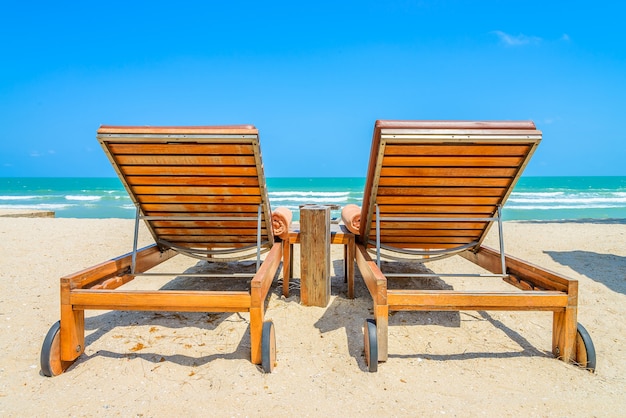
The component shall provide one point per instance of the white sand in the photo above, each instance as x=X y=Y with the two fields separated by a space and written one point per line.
x=181 y=364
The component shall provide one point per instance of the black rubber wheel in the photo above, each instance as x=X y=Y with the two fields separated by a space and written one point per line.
x=371 y=345
x=50 y=359
x=268 y=347
x=585 y=351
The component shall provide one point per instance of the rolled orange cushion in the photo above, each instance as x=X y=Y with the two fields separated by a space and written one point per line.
x=351 y=217
x=281 y=220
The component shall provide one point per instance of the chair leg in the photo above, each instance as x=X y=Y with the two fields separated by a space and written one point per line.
x=72 y=333
x=287 y=260
x=256 y=333
x=564 y=334
x=381 y=314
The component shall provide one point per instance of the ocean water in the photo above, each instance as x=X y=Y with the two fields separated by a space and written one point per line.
x=534 y=198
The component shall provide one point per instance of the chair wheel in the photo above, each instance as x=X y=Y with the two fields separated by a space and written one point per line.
x=371 y=345
x=268 y=347
x=50 y=359
x=585 y=351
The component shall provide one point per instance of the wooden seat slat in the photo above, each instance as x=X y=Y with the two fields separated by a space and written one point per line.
x=436 y=210
x=226 y=199
x=205 y=224
x=418 y=232
x=180 y=149
x=192 y=181
x=456 y=150
x=187 y=231
x=441 y=191
x=451 y=161
x=438 y=200
x=444 y=181
x=251 y=210
x=209 y=239
x=188 y=171
x=185 y=160
x=197 y=190
x=449 y=225
x=498 y=172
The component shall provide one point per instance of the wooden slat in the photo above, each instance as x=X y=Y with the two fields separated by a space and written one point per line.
x=449 y=300
x=434 y=200
x=447 y=172
x=387 y=225
x=206 y=231
x=417 y=232
x=451 y=161
x=420 y=192
x=444 y=181
x=229 y=199
x=489 y=259
x=191 y=181
x=423 y=245
x=243 y=246
x=457 y=150
x=457 y=126
x=147 y=258
x=188 y=171
x=396 y=240
x=180 y=149
x=179 y=130
x=205 y=224
x=185 y=160
x=435 y=210
x=196 y=190
x=187 y=208
x=208 y=239
x=163 y=300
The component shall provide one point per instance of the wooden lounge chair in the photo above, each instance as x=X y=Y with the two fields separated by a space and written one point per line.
x=433 y=189
x=201 y=192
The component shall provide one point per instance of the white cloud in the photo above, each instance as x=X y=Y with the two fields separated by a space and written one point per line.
x=516 y=40
x=565 y=37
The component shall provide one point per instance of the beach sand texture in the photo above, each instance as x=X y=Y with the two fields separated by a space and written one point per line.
x=197 y=364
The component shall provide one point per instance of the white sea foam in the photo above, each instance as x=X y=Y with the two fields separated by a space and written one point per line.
x=536 y=194
x=559 y=207
x=573 y=199
x=83 y=198
x=307 y=194
x=18 y=197
x=40 y=206
x=312 y=199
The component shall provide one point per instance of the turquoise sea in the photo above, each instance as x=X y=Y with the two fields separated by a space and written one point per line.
x=534 y=198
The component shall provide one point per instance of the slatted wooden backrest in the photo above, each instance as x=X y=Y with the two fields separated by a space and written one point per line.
x=193 y=172
x=440 y=169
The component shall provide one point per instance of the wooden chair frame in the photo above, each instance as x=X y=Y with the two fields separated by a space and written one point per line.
x=97 y=287
x=541 y=290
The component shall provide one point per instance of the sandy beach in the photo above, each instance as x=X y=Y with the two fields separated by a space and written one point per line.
x=462 y=364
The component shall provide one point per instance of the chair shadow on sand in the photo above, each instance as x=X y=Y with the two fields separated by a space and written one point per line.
x=104 y=325
x=608 y=269
x=350 y=315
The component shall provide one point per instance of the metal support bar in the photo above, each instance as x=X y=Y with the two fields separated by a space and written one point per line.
x=258 y=239
x=198 y=218
x=446 y=219
x=501 y=235
x=444 y=275
x=135 y=241
x=377 y=236
x=195 y=275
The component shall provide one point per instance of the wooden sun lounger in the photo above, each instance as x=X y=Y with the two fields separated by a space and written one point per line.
x=433 y=189
x=201 y=192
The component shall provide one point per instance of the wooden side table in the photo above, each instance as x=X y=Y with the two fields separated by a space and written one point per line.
x=339 y=235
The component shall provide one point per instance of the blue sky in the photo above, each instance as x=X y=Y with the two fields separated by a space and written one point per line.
x=312 y=76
